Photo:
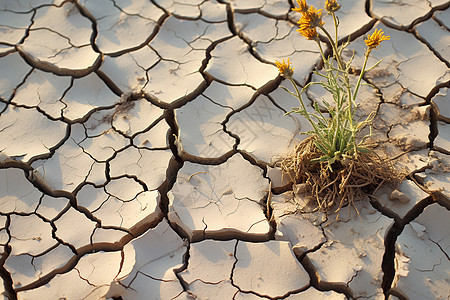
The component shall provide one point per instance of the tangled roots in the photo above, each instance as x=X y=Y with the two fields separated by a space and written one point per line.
x=347 y=181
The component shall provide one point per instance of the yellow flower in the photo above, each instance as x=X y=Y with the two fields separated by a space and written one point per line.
x=302 y=6
x=331 y=6
x=285 y=68
x=375 y=39
x=309 y=33
x=311 y=19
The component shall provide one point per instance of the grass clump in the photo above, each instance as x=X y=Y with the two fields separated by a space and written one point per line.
x=337 y=168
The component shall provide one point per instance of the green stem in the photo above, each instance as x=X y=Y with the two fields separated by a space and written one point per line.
x=348 y=121
x=303 y=106
x=340 y=64
x=334 y=46
x=325 y=61
x=347 y=84
x=335 y=26
x=362 y=73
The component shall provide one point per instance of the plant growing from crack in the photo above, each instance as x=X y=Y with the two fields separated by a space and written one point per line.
x=331 y=160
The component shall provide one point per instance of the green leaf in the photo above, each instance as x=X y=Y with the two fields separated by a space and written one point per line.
x=378 y=62
x=320 y=159
x=363 y=150
x=327 y=105
x=321 y=148
x=287 y=90
x=294 y=110
x=310 y=132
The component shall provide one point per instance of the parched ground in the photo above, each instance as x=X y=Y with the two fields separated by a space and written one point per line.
x=138 y=141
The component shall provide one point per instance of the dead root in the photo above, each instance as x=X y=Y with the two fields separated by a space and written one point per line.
x=349 y=180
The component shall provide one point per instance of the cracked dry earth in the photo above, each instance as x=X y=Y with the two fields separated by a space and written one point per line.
x=138 y=144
